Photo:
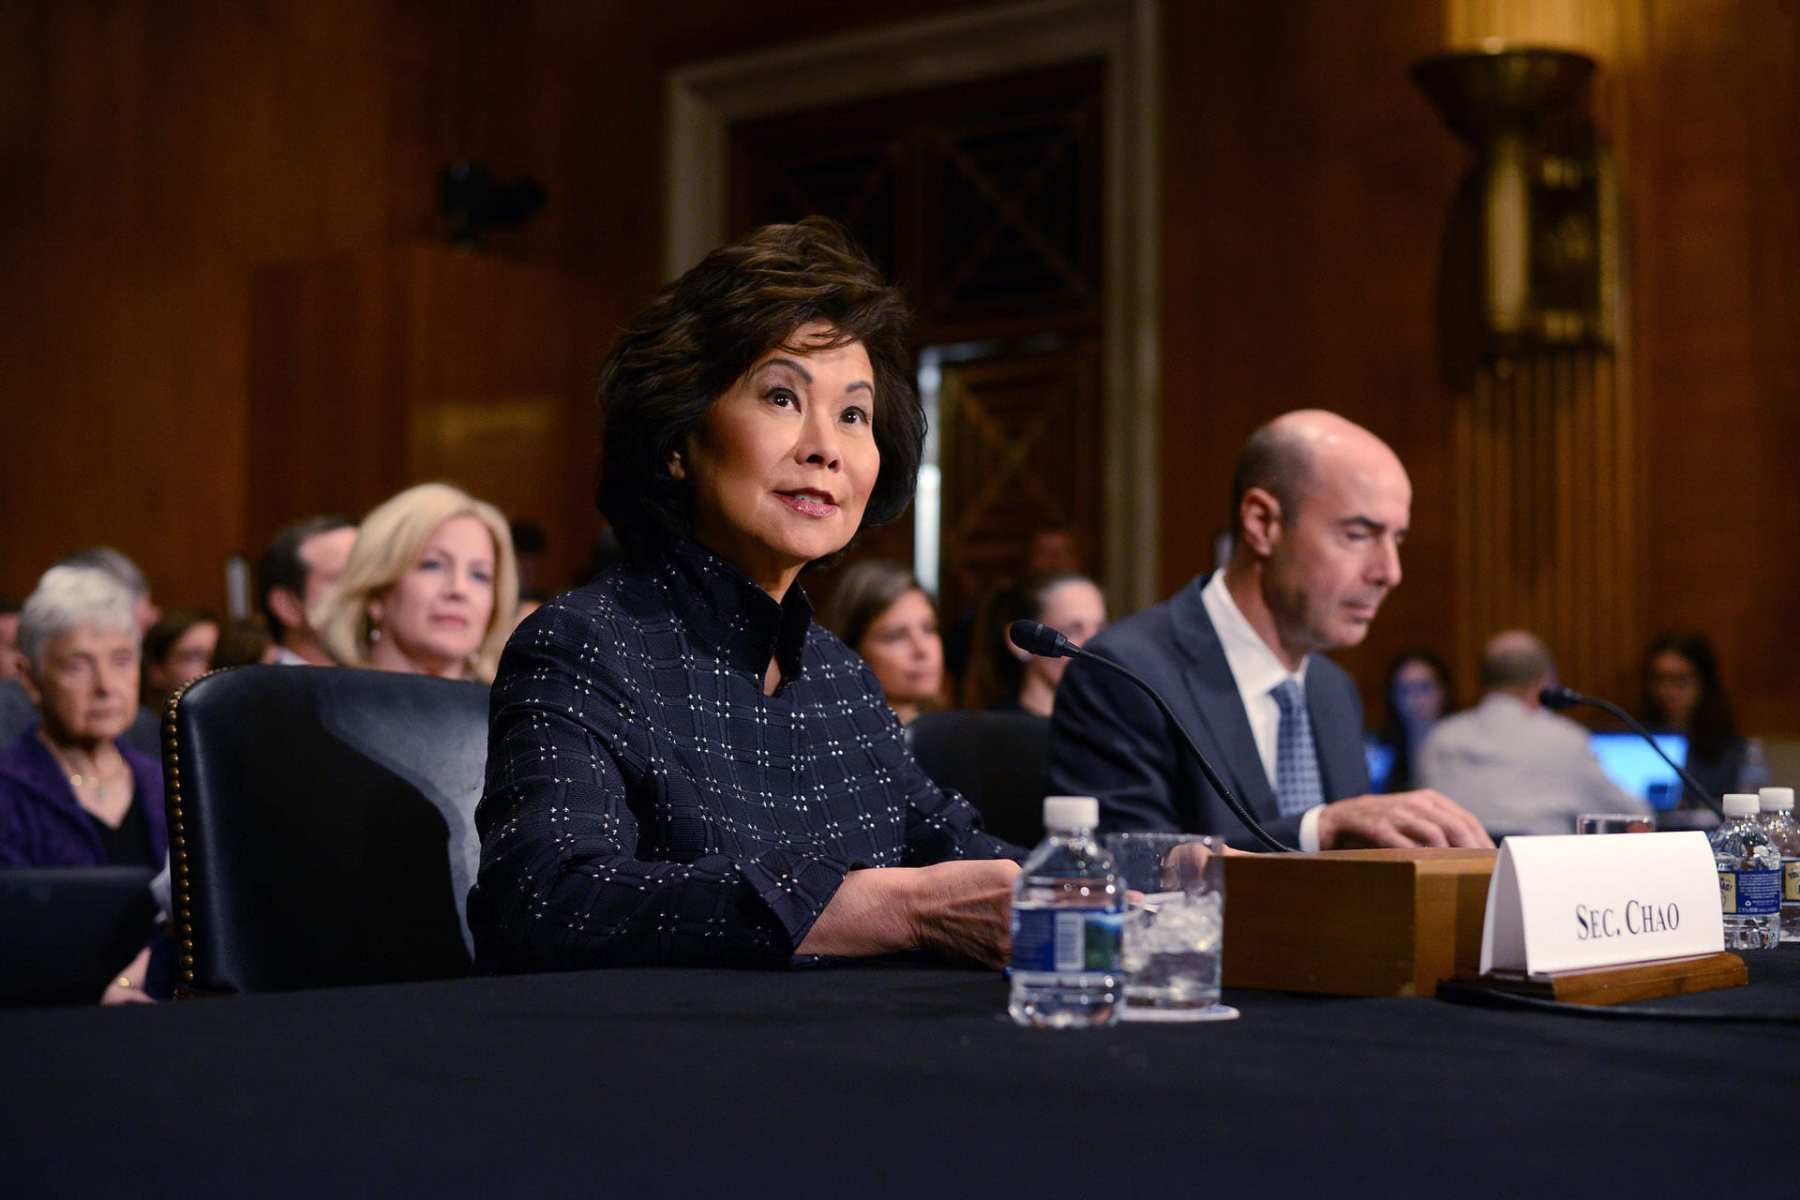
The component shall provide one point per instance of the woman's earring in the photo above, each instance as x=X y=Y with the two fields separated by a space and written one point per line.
x=677 y=469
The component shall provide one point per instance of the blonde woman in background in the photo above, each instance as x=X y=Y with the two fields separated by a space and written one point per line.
x=430 y=588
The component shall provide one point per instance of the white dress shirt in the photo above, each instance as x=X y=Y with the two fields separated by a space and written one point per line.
x=1257 y=672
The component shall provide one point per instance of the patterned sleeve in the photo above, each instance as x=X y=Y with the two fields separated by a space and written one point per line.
x=559 y=887
x=941 y=824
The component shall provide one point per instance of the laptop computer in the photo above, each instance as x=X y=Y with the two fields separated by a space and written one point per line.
x=1630 y=762
x=65 y=932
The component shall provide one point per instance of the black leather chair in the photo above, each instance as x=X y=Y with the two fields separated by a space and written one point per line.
x=321 y=826
x=996 y=759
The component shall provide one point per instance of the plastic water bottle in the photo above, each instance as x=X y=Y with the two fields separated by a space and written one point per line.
x=1068 y=919
x=1778 y=822
x=1749 y=877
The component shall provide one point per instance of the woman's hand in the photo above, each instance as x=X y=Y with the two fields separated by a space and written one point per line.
x=128 y=986
x=962 y=910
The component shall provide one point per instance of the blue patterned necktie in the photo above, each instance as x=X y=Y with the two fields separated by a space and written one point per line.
x=1297 y=783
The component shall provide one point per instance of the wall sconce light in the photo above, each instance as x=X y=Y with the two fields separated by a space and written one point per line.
x=1549 y=196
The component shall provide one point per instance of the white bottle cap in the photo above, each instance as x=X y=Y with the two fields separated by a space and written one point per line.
x=1071 y=812
x=1776 y=799
x=1740 y=804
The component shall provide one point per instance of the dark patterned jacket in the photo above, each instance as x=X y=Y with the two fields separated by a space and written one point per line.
x=647 y=803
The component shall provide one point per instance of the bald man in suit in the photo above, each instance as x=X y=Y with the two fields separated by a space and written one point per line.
x=1320 y=507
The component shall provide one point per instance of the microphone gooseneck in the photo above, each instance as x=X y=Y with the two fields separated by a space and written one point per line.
x=1558 y=697
x=1045 y=642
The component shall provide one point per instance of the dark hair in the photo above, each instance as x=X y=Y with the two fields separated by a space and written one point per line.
x=9 y=604
x=1276 y=460
x=863 y=592
x=241 y=644
x=282 y=567
x=709 y=327
x=995 y=674
x=1714 y=726
x=161 y=637
x=1393 y=729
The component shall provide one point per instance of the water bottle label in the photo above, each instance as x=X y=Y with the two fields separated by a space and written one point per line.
x=1066 y=941
x=1790 y=880
x=1750 y=893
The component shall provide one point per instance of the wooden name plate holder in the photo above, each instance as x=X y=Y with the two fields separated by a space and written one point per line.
x=1354 y=922
x=1620 y=985
x=1399 y=923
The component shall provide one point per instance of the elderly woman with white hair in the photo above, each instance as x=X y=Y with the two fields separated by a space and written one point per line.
x=71 y=793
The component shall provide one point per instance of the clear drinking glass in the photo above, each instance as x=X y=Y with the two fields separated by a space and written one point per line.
x=1615 y=823
x=1175 y=926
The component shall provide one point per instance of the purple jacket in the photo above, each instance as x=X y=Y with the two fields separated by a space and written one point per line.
x=42 y=825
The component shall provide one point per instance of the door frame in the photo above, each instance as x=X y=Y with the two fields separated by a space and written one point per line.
x=706 y=99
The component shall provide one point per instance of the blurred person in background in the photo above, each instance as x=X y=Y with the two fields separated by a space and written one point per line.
x=9 y=638
x=430 y=588
x=1516 y=766
x=300 y=566
x=72 y=792
x=243 y=644
x=144 y=735
x=1417 y=693
x=1684 y=694
x=17 y=713
x=177 y=650
x=530 y=544
x=881 y=612
x=126 y=574
x=1052 y=550
x=1009 y=679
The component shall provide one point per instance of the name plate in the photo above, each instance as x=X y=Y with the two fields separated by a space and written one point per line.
x=1564 y=903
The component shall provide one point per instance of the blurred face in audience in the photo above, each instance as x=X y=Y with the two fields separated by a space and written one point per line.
x=1078 y=611
x=1674 y=688
x=904 y=650
x=187 y=660
x=782 y=464
x=87 y=688
x=9 y=645
x=433 y=619
x=325 y=555
x=1418 y=693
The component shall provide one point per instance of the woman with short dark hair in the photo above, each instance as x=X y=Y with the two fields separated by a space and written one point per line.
x=682 y=766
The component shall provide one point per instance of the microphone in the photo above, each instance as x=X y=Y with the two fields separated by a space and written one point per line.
x=1558 y=697
x=1045 y=642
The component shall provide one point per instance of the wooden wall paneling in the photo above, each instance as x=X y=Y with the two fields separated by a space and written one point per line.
x=424 y=362
x=1715 y=182
x=1306 y=192
x=1018 y=438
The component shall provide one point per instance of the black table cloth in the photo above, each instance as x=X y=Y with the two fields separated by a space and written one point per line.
x=881 y=1079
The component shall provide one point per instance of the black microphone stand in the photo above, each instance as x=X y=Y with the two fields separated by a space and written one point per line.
x=1558 y=697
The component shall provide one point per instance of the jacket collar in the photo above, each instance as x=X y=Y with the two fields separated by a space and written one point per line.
x=730 y=615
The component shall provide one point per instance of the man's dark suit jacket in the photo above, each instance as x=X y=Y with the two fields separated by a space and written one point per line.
x=1107 y=738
